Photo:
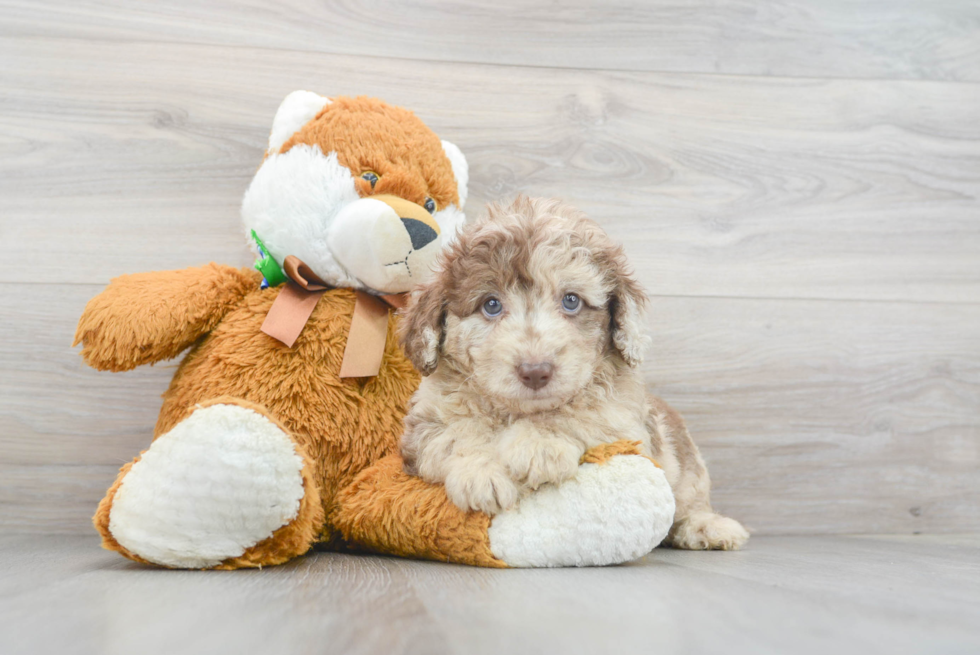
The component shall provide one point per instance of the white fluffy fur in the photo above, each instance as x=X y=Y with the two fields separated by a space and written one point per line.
x=295 y=198
x=298 y=109
x=367 y=238
x=292 y=203
x=461 y=170
x=219 y=482
x=609 y=513
x=451 y=220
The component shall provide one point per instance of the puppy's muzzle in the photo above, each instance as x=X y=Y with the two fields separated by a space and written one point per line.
x=535 y=376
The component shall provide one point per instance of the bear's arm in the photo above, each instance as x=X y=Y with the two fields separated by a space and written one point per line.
x=148 y=317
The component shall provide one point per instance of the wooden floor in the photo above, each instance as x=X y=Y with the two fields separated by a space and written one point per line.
x=894 y=595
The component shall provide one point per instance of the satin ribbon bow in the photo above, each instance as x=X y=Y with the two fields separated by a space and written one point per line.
x=368 y=328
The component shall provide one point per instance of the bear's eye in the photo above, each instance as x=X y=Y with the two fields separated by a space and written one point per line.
x=571 y=303
x=430 y=205
x=371 y=177
x=492 y=307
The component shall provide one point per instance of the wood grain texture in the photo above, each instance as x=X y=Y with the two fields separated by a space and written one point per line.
x=896 y=39
x=812 y=245
x=122 y=157
x=814 y=416
x=783 y=595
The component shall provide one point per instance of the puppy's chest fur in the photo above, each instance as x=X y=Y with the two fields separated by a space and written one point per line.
x=447 y=419
x=585 y=422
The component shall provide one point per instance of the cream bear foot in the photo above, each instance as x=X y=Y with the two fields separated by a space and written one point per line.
x=219 y=482
x=609 y=513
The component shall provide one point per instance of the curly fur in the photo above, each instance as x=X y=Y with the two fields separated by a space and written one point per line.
x=490 y=439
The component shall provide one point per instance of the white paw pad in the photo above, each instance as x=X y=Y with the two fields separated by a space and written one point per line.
x=219 y=482
x=607 y=514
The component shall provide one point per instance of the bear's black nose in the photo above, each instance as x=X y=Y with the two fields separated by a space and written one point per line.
x=420 y=233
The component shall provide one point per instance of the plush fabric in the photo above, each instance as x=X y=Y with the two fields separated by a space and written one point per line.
x=387 y=510
x=618 y=507
x=262 y=450
x=345 y=432
x=340 y=425
x=148 y=317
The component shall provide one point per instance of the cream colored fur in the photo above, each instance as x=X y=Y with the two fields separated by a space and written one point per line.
x=219 y=482
x=492 y=440
x=628 y=498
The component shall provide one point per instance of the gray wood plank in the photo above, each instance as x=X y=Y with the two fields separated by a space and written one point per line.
x=898 y=39
x=800 y=595
x=117 y=157
x=345 y=605
x=814 y=416
x=872 y=562
x=52 y=498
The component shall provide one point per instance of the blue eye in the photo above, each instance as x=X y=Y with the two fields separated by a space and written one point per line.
x=492 y=307
x=430 y=205
x=571 y=303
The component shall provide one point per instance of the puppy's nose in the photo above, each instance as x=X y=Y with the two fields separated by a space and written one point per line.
x=535 y=376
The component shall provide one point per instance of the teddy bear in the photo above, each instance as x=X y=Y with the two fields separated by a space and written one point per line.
x=280 y=428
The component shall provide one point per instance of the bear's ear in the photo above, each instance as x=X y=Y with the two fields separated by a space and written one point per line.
x=298 y=109
x=460 y=169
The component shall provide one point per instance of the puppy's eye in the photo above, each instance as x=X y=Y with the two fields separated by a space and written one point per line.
x=571 y=303
x=430 y=205
x=492 y=307
x=371 y=177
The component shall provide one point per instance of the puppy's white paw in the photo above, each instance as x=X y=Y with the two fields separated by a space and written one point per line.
x=544 y=459
x=483 y=487
x=708 y=531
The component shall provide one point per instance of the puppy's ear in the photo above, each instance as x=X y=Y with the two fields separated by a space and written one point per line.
x=626 y=309
x=420 y=332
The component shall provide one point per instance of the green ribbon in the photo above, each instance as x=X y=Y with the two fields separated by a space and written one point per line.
x=266 y=265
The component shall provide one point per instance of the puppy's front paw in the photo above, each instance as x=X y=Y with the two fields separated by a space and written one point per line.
x=485 y=488
x=538 y=461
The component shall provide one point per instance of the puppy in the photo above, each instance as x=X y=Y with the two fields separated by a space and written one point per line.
x=529 y=334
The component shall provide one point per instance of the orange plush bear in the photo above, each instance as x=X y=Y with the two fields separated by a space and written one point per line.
x=280 y=428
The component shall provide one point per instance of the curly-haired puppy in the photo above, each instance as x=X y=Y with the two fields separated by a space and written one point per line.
x=530 y=333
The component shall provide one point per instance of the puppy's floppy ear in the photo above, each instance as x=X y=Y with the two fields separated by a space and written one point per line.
x=626 y=313
x=420 y=332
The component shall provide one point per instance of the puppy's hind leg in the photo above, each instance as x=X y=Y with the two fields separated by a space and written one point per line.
x=707 y=531
x=696 y=525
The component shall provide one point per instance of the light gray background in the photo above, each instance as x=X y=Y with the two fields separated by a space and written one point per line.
x=796 y=182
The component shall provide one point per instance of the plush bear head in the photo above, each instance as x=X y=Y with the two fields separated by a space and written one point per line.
x=361 y=192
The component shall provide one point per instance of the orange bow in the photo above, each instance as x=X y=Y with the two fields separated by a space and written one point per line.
x=368 y=328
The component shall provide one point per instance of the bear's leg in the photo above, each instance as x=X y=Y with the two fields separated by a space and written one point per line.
x=617 y=508
x=227 y=487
